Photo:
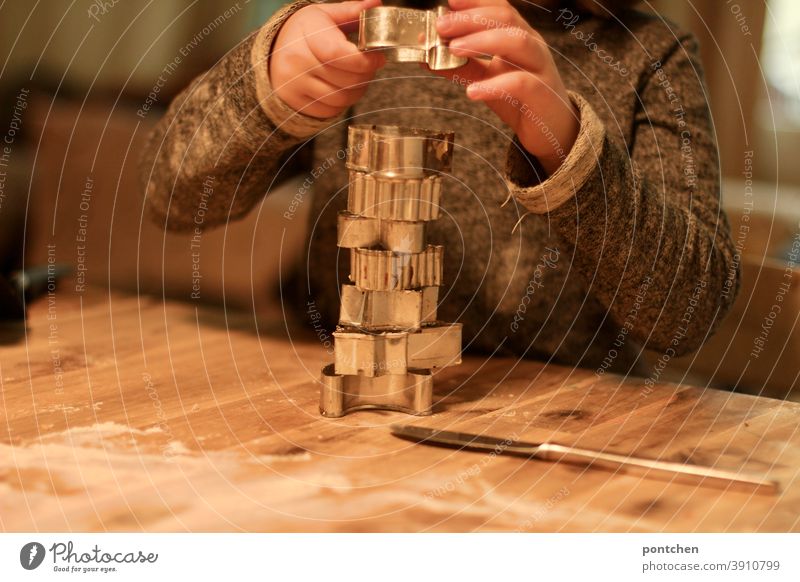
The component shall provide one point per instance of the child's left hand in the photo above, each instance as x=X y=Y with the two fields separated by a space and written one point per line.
x=520 y=83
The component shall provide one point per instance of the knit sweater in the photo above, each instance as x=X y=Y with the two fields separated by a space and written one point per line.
x=624 y=247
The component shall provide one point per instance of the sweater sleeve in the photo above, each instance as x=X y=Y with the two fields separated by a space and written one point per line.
x=219 y=146
x=643 y=222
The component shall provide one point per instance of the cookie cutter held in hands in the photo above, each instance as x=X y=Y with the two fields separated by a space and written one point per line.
x=406 y=35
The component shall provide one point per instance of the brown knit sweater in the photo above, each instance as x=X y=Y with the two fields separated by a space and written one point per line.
x=624 y=246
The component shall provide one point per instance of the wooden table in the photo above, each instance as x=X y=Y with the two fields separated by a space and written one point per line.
x=126 y=413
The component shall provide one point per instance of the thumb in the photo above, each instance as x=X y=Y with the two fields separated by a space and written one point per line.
x=345 y=14
x=474 y=70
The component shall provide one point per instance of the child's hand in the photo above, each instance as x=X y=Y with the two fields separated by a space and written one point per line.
x=313 y=68
x=520 y=84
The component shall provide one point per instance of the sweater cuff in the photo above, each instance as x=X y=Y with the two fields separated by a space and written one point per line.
x=284 y=117
x=523 y=172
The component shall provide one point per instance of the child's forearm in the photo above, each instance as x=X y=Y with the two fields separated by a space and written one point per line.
x=644 y=227
x=218 y=148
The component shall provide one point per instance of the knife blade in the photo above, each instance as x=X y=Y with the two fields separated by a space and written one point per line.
x=648 y=468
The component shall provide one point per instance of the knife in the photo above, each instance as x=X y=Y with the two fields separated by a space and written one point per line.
x=649 y=468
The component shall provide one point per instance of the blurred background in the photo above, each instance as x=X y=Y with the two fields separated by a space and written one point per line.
x=76 y=78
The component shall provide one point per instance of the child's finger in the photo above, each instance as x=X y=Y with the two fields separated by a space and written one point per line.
x=319 y=110
x=473 y=71
x=340 y=77
x=464 y=4
x=366 y=64
x=328 y=94
x=503 y=87
x=345 y=14
x=453 y=24
x=337 y=51
x=523 y=50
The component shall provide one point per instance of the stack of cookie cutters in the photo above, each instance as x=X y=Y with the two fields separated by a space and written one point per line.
x=389 y=339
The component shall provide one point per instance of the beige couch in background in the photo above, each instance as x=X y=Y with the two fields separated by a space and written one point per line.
x=86 y=164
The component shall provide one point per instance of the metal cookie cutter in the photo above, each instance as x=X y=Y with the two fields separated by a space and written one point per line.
x=388 y=310
x=411 y=393
x=375 y=371
x=378 y=354
x=406 y=35
x=377 y=270
x=411 y=199
x=362 y=231
x=393 y=152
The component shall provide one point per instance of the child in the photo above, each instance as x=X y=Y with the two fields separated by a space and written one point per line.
x=592 y=121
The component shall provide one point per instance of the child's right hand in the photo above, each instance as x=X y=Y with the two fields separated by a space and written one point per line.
x=313 y=68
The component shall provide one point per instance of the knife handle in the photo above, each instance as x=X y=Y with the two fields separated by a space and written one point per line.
x=650 y=468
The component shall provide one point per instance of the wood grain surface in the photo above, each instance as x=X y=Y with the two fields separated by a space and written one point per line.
x=126 y=413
